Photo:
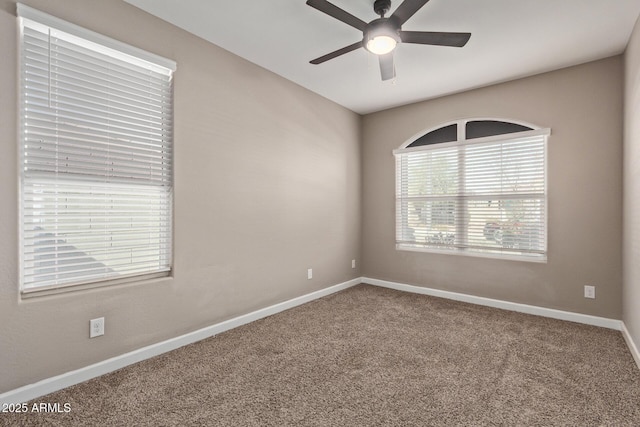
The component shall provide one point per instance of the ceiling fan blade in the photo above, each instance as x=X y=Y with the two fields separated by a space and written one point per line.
x=406 y=10
x=336 y=53
x=387 y=68
x=336 y=12
x=435 y=38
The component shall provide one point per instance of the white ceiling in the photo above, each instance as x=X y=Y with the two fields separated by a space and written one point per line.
x=510 y=39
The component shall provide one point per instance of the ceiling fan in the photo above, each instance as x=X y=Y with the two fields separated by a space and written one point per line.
x=381 y=35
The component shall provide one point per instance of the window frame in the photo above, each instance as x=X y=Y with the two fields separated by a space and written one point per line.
x=119 y=51
x=462 y=140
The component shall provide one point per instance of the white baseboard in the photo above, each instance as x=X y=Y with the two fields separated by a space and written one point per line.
x=505 y=305
x=44 y=387
x=632 y=345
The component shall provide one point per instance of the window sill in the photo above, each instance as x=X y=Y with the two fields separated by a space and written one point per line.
x=539 y=259
x=65 y=289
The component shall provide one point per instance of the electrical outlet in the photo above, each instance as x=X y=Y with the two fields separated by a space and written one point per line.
x=96 y=327
x=589 y=291
x=310 y=273
x=353 y=263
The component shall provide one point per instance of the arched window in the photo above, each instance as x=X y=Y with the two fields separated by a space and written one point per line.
x=475 y=187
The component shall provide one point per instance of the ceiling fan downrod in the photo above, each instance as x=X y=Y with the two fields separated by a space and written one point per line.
x=381 y=7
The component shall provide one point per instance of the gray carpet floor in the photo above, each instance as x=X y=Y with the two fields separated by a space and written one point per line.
x=371 y=356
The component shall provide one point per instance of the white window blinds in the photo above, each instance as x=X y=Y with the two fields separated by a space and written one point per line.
x=96 y=156
x=485 y=196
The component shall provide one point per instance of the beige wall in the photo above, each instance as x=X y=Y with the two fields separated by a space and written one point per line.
x=631 y=215
x=267 y=184
x=583 y=107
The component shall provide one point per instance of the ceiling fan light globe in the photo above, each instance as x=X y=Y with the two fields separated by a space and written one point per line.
x=381 y=45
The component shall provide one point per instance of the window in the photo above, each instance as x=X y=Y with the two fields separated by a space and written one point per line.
x=96 y=159
x=475 y=187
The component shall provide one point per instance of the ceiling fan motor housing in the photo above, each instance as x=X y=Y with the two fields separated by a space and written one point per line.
x=381 y=27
